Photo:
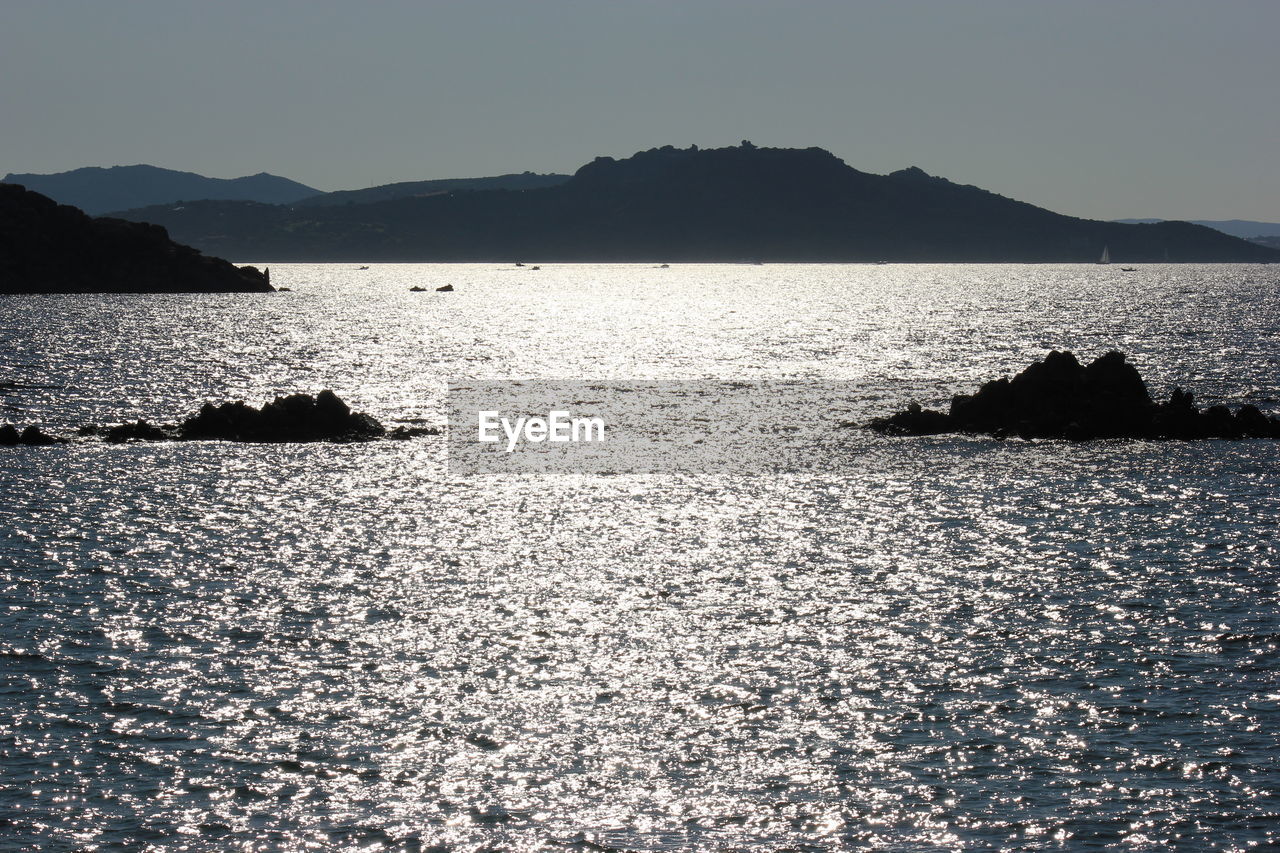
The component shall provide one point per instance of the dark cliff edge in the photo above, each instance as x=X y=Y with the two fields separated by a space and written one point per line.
x=740 y=203
x=46 y=247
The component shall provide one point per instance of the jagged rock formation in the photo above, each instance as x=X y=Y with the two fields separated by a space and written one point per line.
x=298 y=417
x=295 y=418
x=1060 y=398
x=32 y=435
x=50 y=248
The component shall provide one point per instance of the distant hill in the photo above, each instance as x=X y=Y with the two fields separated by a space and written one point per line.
x=97 y=190
x=1244 y=228
x=728 y=204
x=46 y=247
x=408 y=189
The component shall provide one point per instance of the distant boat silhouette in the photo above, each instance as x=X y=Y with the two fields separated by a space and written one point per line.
x=1128 y=269
x=416 y=289
x=445 y=288
x=361 y=268
x=1106 y=255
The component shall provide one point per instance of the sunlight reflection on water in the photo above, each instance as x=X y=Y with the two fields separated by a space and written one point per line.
x=936 y=643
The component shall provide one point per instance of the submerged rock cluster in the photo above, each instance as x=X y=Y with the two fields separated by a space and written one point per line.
x=1060 y=398
x=295 y=418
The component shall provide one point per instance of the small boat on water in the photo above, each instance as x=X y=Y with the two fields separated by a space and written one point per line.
x=446 y=288
x=1128 y=269
x=1106 y=255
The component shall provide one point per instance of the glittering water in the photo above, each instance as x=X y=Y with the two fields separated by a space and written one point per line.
x=933 y=644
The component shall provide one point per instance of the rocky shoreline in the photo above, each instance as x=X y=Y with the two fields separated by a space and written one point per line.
x=1059 y=398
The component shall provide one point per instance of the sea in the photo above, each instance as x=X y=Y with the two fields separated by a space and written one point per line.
x=920 y=644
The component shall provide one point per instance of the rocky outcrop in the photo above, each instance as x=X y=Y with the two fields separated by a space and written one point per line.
x=295 y=418
x=32 y=435
x=298 y=417
x=136 y=431
x=1060 y=398
x=50 y=248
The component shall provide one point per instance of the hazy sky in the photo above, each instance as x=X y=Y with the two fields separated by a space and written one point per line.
x=1102 y=109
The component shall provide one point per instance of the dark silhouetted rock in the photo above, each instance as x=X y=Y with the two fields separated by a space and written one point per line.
x=32 y=435
x=138 y=431
x=915 y=421
x=1060 y=398
x=403 y=432
x=1254 y=423
x=295 y=418
x=50 y=248
x=298 y=417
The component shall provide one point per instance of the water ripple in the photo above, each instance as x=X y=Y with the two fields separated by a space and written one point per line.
x=936 y=644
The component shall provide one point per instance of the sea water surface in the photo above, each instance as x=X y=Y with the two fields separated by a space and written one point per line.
x=926 y=644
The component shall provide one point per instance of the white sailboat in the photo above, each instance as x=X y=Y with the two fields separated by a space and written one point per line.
x=1106 y=255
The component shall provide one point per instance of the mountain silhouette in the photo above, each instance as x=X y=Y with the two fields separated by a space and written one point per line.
x=97 y=190
x=740 y=203
x=409 y=189
x=1247 y=229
